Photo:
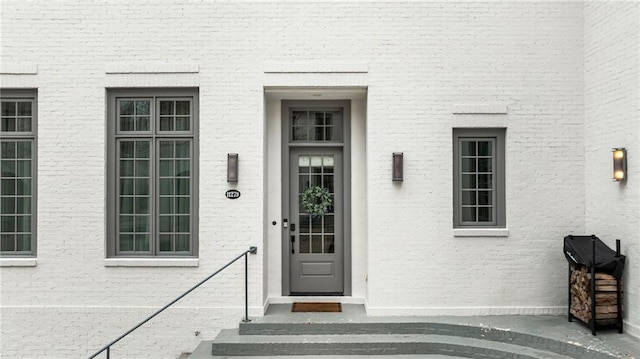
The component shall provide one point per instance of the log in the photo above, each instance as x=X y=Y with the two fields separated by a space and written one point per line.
x=606 y=296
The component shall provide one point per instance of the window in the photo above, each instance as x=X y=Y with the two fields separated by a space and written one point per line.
x=153 y=172
x=478 y=180
x=18 y=159
x=316 y=126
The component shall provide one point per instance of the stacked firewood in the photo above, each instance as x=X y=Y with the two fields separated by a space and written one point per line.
x=606 y=296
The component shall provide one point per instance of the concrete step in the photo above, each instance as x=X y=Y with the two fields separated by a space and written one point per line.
x=353 y=334
x=423 y=328
x=231 y=343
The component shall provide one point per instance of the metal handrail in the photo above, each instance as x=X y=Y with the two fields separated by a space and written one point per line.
x=252 y=250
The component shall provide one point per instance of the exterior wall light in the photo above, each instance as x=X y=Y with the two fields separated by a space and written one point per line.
x=232 y=167
x=397 y=166
x=619 y=164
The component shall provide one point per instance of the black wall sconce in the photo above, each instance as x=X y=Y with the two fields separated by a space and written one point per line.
x=232 y=167
x=397 y=166
x=619 y=164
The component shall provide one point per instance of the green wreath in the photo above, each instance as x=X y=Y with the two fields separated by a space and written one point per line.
x=316 y=200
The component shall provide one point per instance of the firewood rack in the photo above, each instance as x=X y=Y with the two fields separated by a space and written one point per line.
x=599 y=315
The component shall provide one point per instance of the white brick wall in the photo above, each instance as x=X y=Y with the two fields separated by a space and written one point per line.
x=525 y=56
x=612 y=106
x=423 y=60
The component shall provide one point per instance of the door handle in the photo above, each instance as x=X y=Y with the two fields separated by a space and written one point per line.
x=293 y=247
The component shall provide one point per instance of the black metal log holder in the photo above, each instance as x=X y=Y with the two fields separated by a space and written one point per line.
x=592 y=284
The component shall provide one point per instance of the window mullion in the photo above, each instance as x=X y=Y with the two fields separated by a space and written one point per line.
x=153 y=196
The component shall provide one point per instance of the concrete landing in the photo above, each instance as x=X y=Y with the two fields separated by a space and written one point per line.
x=353 y=334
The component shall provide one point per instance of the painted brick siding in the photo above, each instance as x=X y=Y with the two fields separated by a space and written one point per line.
x=612 y=100
x=526 y=56
x=423 y=60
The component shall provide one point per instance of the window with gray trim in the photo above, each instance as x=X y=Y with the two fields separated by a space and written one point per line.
x=18 y=160
x=153 y=169
x=478 y=178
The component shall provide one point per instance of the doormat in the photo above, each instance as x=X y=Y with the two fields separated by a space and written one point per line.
x=316 y=307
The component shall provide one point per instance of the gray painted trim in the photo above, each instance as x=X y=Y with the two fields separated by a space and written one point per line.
x=31 y=94
x=346 y=152
x=499 y=134
x=112 y=94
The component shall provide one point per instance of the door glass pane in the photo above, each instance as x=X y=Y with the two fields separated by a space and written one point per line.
x=304 y=244
x=305 y=223
x=328 y=223
x=329 y=244
x=303 y=163
x=316 y=244
x=316 y=224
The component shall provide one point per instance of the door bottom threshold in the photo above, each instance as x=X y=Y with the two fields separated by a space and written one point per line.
x=307 y=294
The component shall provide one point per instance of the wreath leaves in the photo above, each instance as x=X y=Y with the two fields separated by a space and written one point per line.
x=316 y=200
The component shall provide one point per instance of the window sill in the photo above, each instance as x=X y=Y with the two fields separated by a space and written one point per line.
x=481 y=232
x=18 y=262
x=151 y=262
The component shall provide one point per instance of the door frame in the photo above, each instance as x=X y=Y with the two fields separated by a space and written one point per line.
x=286 y=106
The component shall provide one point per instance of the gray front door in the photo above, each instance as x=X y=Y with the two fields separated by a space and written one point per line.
x=316 y=239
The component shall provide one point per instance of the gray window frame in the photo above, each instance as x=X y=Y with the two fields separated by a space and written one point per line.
x=30 y=95
x=498 y=135
x=154 y=136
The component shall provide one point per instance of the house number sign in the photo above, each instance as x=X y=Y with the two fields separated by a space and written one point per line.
x=232 y=194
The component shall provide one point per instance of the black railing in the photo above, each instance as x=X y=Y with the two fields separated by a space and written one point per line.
x=252 y=250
